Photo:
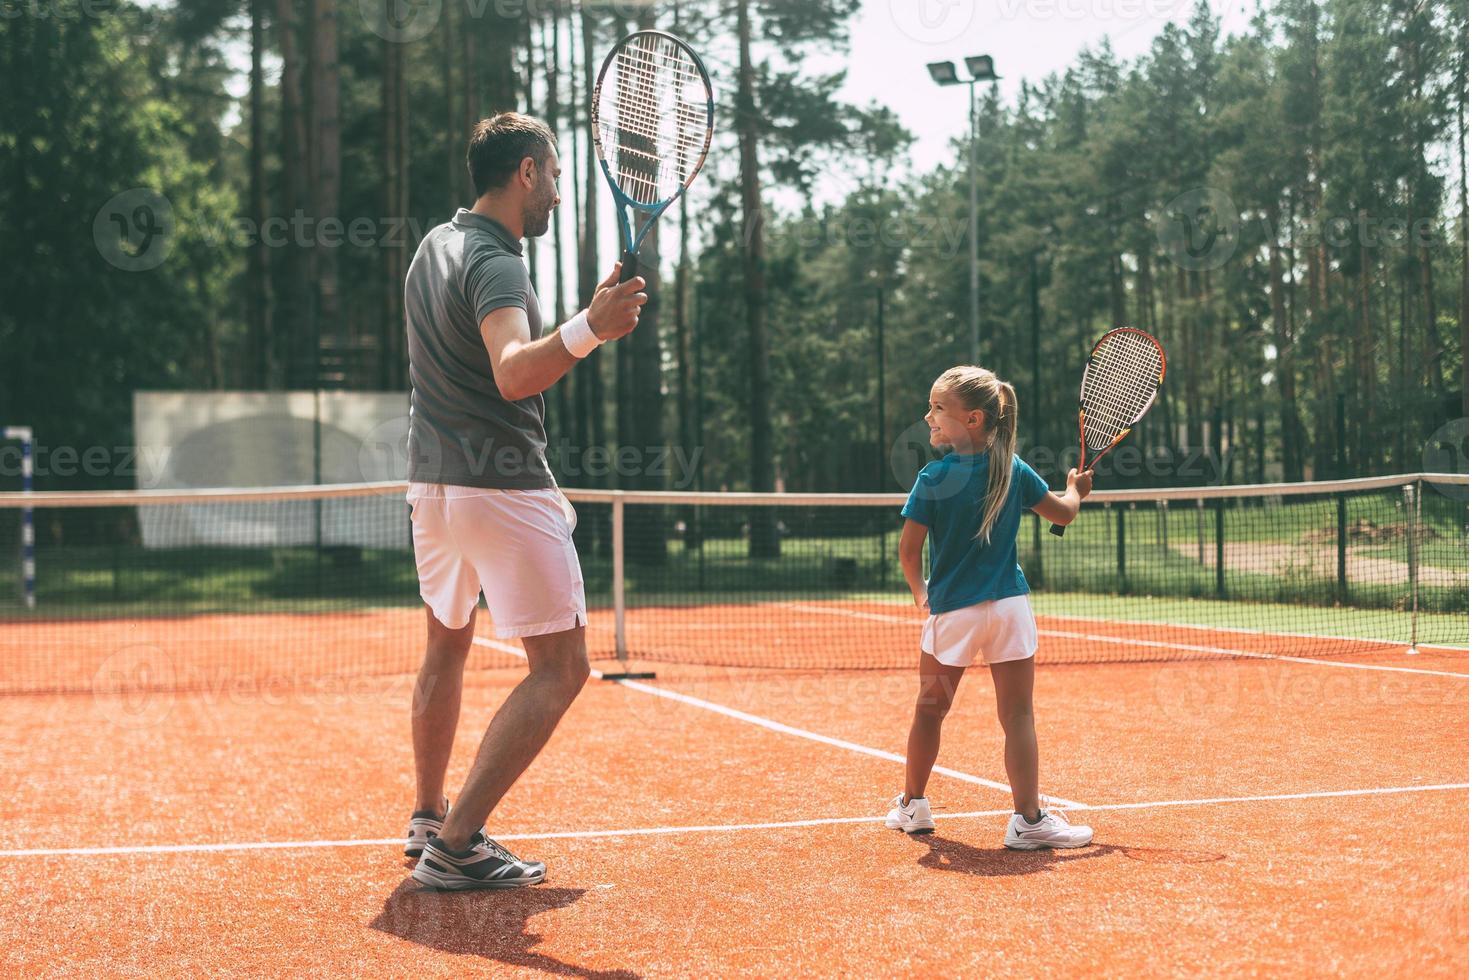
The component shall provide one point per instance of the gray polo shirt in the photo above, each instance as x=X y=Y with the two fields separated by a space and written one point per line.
x=461 y=431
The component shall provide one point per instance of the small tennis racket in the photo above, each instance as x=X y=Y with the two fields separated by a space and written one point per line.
x=652 y=120
x=1118 y=386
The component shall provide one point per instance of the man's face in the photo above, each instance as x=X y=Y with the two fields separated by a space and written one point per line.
x=543 y=198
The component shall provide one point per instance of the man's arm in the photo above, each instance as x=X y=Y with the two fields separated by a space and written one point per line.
x=525 y=367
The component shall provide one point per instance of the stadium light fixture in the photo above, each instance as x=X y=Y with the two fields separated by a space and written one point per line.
x=981 y=68
x=944 y=72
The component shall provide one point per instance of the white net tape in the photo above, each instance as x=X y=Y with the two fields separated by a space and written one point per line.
x=653 y=118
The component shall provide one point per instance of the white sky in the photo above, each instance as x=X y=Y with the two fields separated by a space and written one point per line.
x=893 y=40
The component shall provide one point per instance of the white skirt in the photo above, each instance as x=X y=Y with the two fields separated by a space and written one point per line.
x=992 y=632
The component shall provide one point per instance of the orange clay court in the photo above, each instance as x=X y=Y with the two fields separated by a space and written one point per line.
x=1266 y=813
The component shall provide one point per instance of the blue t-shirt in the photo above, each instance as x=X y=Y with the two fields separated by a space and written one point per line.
x=948 y=498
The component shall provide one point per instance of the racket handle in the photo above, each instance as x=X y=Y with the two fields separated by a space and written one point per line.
x=629 y=266
x=1059 y=530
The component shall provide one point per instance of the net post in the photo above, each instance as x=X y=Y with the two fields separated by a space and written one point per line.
x=1199 y=526
x=1341 y=548
x=1219 y=547
x=619 y=592
x=1122 y=548
x=1412 y=495
x=26 y=437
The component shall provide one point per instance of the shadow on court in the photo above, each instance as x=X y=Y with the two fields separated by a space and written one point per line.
x=947 y=854
x=491 y=924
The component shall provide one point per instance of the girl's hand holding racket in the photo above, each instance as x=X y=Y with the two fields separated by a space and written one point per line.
x=616 y=306
x=1080 y=481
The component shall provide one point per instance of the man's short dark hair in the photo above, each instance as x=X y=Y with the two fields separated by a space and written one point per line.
x=499 y=143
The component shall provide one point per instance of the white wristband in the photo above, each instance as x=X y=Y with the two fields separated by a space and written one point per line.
x=578 y=337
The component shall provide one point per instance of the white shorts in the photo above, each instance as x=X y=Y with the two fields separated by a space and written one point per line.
x=514 y=545
x=995 y=632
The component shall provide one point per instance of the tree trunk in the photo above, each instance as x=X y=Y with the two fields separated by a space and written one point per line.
x=764 y=540
x=1285 y=356
x=391 y=362
x=1463 y=243
x=454 y=139
x=468 y=26
x=326 y=157
x=296 y=315
x=553 y=120
x=259 y=368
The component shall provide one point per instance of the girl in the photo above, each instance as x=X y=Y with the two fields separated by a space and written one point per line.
x=970 y=501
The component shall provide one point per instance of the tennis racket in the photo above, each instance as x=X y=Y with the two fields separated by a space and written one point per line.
x=652 y=120
x=1118 y=386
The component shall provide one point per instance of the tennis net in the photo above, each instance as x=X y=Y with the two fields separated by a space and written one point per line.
x=197 y=589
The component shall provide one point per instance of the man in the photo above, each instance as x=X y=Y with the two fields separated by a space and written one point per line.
x=486 y=512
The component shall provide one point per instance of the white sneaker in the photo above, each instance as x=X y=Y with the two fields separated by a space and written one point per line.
x=915 y=818
x=423 y=825
x=1052 y=830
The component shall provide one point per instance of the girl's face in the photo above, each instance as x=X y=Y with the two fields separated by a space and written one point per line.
x=951 y=424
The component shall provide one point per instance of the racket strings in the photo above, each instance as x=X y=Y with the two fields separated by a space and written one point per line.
x=1120 y=384
x=654 y=132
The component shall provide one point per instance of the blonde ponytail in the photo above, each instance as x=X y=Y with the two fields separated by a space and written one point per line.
x=979 y=389
x=1002 y=458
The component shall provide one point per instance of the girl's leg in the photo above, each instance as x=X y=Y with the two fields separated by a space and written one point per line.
x=1014 y=681
x=936 y=686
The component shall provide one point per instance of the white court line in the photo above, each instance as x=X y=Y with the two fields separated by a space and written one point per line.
x=708 y=828
x=1187 y=647
x=784 y=729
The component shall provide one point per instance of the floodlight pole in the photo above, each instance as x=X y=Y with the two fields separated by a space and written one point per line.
x=981 y=68
x=973 y=224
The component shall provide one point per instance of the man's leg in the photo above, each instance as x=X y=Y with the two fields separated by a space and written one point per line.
x=436 y=698
x=520 y=729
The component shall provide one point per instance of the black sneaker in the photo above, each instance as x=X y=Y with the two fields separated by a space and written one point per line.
x=484 y=864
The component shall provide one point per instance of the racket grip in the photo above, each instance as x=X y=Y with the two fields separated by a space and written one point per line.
x=1059 y=530
x=629 y=266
